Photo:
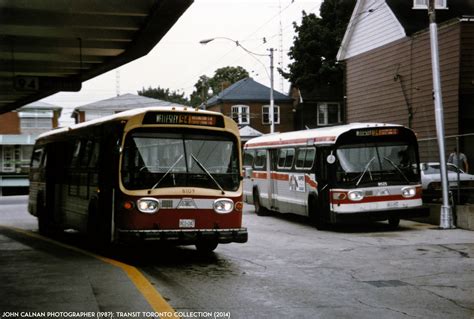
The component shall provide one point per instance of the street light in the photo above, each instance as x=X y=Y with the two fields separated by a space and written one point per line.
x=271 y=114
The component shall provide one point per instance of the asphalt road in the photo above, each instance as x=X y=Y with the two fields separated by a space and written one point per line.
x=290 y=269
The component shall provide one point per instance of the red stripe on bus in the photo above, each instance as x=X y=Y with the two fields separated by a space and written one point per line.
x=373 y=199
x=259 y=175
x=280 y=176
x=310 y=182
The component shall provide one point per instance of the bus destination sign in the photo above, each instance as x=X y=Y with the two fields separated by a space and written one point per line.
x=377 y=132
x=180 y=119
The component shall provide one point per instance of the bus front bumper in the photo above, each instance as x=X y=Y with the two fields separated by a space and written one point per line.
x=185 y=236
x=380 y=215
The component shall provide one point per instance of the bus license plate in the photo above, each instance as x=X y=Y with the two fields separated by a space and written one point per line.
x=186 y=223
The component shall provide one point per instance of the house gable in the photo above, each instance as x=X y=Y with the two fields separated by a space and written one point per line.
x=372 y=25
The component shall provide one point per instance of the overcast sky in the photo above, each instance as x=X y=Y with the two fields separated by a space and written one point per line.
x=178 y=59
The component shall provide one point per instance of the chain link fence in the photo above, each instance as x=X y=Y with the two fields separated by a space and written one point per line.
x=461 y=182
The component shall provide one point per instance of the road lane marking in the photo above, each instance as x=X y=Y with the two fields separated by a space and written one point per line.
x=152 y=296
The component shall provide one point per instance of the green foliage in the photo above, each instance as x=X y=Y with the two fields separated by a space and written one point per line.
x=316 y=44
x=164 y=94
x=223 y=78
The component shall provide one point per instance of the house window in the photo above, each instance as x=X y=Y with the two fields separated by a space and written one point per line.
x=423 y=4
x=36 y=123
x=266 y=114
x=329 y=113
x=241 y=114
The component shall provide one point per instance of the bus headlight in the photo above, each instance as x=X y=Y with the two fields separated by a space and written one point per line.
x=148 y=205
x=408 y=192
x=223 y=206
x=355 y=195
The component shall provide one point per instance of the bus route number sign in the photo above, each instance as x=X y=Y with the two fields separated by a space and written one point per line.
x=180 y=119
x=377 y=132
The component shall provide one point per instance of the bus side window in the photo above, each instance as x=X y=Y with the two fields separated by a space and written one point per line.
x=249 y=157
x=305 y=158
x=76 y=154
x=285 y=158
x=260 y=159
x=309 y=159
x=94 y=157
x=36 y=158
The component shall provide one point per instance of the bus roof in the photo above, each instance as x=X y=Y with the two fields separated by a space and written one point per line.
x=125 y=115
x=323 y=135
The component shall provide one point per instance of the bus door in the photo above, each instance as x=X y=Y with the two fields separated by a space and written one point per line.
x=324 y=171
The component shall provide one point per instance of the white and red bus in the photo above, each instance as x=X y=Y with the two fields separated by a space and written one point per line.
x=351 y=172
x=157 y=174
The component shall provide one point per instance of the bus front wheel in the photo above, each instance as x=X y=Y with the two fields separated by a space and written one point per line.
x=393 y=222
x=206 y=246
x=316 y=215
x=44 y=220
x=259 y=209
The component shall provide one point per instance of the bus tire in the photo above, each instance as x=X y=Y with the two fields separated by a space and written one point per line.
x=44 y=222
x=206 y=246
x=315 y=213
x=393 y=222
x=97 y=233
x=259 y=209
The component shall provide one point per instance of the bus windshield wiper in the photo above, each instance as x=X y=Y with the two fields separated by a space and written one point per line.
x=365 y=171
x=208 y=173
x=397 y=168
x=166 y=174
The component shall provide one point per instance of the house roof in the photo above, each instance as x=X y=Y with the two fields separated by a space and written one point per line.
x=124 y=102
x=41 y=106
x=414 y=20
x=247 y=90
x=248 y=132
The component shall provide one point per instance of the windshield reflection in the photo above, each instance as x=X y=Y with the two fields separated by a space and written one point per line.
x=371 y=163
x=155 y=160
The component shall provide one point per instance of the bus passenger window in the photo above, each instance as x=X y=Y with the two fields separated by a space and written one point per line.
x=249 y=157
x=300 y=158
x=290 y=156
x=76 y=154
x=36 y=158
x=309 y=159
x=260 y=159
x=285 y=158
x=281 y=158
x=94 y=158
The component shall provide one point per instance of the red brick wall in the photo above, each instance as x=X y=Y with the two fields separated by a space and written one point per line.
x=9 y=123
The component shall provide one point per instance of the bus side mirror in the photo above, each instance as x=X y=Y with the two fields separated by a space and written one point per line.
x=248 y=172
x=331 y=159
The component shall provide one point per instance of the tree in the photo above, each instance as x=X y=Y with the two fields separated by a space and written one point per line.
x=316 y=44
x=222 y=78
x=164 y=94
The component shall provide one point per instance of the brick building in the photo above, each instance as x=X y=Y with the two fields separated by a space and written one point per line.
x=18 y=132
x=248 y=103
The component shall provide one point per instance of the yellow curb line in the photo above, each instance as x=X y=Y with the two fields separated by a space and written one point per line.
x=156 y=301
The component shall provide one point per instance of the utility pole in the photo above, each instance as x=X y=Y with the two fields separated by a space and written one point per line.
x=446 y=217
x=271 y=113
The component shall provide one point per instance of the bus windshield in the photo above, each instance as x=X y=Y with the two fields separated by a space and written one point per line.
x=156 y=160
x=375 y=163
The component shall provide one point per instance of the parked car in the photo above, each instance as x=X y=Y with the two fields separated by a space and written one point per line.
x=431 y=182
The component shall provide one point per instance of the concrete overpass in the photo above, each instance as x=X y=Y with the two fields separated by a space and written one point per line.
x=49 y=46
